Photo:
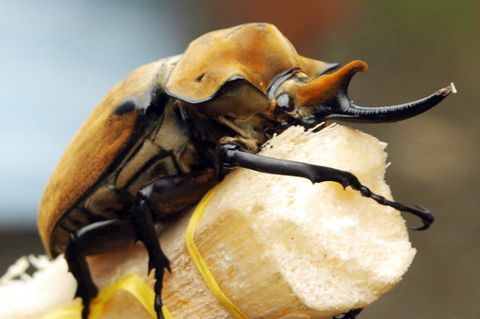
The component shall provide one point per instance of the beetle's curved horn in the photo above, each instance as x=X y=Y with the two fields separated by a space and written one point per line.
x=326 y=97
x=391 y=113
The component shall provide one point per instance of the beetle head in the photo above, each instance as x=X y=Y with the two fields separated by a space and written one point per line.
x=308 y=102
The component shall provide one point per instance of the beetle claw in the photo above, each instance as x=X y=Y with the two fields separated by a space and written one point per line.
x=427 y=218
x=159 y=263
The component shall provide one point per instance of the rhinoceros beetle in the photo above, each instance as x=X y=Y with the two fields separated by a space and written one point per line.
x=171 y=130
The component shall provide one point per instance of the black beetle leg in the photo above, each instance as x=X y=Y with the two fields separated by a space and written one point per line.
x=77 y=265
x=94 y=239
x=143 y=221
x=232 y=155
x=352 y=314
x=161 y=198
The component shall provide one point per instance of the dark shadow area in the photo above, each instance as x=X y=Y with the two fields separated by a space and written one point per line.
x=18 y=243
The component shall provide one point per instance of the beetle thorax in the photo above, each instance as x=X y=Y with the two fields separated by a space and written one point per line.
x=239 y=113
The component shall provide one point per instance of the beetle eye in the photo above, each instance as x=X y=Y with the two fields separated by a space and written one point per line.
x=285 y=103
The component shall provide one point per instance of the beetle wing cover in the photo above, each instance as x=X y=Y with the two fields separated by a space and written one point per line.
x=96 y=145
x=256 y=52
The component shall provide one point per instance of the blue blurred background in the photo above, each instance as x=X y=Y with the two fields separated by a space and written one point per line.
x=59 y=58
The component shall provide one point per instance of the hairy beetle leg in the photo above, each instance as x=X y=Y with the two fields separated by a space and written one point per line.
x=157 y=261
x=231 y=156
x=352 y=314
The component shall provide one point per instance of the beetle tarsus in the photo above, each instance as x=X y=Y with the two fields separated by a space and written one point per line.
x=157 y=261
x=424 y=214
x=77 y=265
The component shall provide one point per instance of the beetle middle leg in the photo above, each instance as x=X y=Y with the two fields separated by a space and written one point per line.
x=165 y=196
x=231 y=155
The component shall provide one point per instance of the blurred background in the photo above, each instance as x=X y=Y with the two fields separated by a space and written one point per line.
x=58 y=59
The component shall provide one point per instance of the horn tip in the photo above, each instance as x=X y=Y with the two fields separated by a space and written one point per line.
x=454 y=89
x=358 y=66
x=447 y=90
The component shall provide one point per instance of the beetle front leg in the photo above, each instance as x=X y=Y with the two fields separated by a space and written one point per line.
x=232 y=155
